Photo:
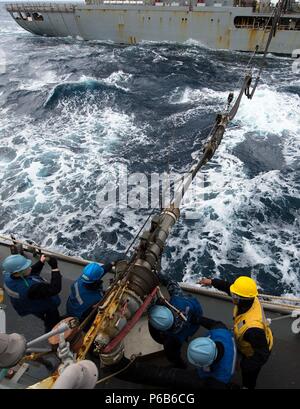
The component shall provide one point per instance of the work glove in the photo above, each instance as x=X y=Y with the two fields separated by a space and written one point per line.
x=111 y=267
x=52 y=263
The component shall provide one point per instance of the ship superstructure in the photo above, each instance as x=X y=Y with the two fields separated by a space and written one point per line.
x=229 y=24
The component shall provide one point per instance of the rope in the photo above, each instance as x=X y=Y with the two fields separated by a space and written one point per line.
x=190 y=286
x=132 y=359
x=277 y=14
x=258 y=47
x=293 y=315
x=296 y=300
x=178 y=312
x=282 y=306
x=29 y=247
x=186 y=286
x=139 y=232
x=173 y=182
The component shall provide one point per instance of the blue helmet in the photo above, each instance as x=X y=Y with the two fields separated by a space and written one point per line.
x=202 y=351
x=15 y=264
x=161 y=317
x=92 y=272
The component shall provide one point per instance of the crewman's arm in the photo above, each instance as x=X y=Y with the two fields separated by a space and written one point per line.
x=108 y=267
x=211 y=324
x=45 y=290
x=257 y=339
x=36 y=269
x=221 y=285
x=172 y=286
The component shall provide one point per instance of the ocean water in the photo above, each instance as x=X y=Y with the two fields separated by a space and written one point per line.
x=71 y=110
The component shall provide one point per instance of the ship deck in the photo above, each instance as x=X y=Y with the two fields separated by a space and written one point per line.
x=282 y=371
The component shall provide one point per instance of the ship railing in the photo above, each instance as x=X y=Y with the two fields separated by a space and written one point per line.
x=282 y=303
x=166 y=3
x=146 y=3
x=39 y=7
x=285 y=27
x=288 y=28
x=133 y=2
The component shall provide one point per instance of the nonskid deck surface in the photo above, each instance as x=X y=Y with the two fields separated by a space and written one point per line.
x=281 y=371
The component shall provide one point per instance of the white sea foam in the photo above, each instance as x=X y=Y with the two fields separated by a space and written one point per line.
x=48 y=189
x=36 y=84
x=77 y=146
x=204 y=95
x=197 y=43
x=119 y=79
x=158 y=57
x=230 y=194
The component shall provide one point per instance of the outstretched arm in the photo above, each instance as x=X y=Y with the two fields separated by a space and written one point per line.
x=221 y=285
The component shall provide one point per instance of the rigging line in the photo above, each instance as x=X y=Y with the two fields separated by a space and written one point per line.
x=244 y=89
x=277 y=14
x=253 y=55
x=217 y=133
x=218 y=129
x=163 y=192
x=216 y=136
x=258 y=47
x=132 y=359
x=139 y=232
x=294 y=314
x=187 y=171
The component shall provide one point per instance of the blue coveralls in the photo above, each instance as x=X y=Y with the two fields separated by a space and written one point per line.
x=223 y=369
x=82 y=299
x=43 y=308
x=179 y=333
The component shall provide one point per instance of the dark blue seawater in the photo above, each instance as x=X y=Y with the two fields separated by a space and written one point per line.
x=71 y=110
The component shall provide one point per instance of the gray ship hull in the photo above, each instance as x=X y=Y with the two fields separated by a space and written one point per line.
x=230 y=28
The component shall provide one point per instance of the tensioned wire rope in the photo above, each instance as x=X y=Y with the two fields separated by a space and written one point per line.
x=275 y=16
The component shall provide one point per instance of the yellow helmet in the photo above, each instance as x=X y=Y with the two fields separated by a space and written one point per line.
x=244 y=287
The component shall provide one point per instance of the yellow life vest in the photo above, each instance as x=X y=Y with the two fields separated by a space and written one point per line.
x=253 y=318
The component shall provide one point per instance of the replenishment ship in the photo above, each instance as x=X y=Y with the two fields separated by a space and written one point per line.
x=238 y=25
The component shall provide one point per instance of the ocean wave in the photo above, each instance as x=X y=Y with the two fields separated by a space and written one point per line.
x=250 y=220
x=72 y=110
x=79 y=88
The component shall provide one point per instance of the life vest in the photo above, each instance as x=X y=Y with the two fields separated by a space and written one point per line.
x=253 y=318
x=192 y=309
x=222 y=370
x=17 y=290
x=81 y=299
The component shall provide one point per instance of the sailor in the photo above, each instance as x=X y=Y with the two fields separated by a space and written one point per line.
x=167 y=327
x=31 y=294
x=251 y=330
x=87 y=290
x=214 y=354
